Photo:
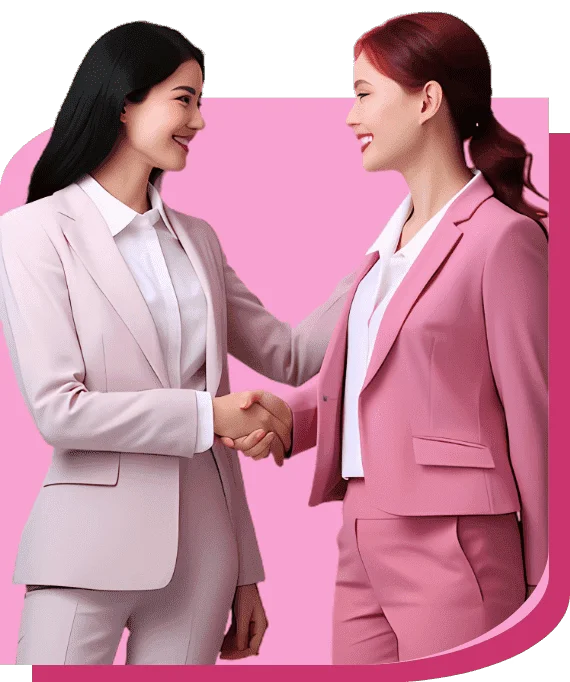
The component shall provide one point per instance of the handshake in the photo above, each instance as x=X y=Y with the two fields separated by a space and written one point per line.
x=255 y=422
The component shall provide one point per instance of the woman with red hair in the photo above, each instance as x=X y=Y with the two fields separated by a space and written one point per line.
x=430 y=413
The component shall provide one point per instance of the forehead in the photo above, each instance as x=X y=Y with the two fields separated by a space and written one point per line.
x=364 y=70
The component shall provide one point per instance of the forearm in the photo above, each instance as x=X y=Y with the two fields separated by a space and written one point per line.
x=160 y=421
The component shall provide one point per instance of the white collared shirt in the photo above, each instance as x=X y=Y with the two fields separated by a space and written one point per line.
x=377 y=288
x=171 y=289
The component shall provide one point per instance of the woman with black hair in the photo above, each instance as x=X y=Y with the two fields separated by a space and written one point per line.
x=119 y=312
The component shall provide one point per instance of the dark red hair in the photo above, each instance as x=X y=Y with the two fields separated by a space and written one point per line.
x=415 y=48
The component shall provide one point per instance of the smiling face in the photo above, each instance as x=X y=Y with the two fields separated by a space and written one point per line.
x=159 y=129
x=386 y=118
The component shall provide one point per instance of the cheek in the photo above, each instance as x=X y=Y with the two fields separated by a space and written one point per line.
x=391 y=127
x=154 y=128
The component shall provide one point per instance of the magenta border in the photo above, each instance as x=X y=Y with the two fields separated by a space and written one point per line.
x=550 y=609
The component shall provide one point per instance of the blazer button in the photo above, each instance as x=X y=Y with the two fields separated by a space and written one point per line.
x=325 y=398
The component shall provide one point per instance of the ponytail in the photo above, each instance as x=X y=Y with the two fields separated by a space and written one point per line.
x=505 y=163
x=413 y=49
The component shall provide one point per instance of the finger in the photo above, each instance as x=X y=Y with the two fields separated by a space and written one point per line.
x=263 y=444
x=258 y=632
x=228 y=642
x=278 y=407
x=278 y=455
x=240 y=443
x=278 y=450
x=262 y=455
x=242 y=631
x=283 y=432
x=261 y=450
x=235 y=654
x=229 y=649
x=250 y=398
x=246 y=443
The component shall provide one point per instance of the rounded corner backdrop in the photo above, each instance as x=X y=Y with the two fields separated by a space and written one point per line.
x=282 y=184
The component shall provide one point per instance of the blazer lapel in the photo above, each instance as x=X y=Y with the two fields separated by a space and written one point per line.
x=214 y=299
x=333 y=365
x=436 y=250
x=89 y=236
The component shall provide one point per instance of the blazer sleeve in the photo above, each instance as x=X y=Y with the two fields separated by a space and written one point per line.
x=45 y=351
x=515 y=298
x=271 y=347
x=304 y=405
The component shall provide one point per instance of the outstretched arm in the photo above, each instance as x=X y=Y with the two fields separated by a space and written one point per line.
x=290 y=355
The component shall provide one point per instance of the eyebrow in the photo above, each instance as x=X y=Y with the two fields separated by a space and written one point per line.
x=185 y=87
x=360 y=82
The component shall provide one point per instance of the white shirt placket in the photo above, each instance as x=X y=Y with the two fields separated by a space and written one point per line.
x=166 y=312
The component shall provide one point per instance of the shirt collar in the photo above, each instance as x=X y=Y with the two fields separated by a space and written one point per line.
x=116 y=214
x=388 y=239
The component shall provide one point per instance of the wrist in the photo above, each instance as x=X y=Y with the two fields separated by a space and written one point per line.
x=216 y=414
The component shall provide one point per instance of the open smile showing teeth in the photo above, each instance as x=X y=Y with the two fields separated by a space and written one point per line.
x=182 y=141
x=365 y=140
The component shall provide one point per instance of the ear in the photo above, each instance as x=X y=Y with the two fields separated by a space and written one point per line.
x=431 y=98
x=123 y=116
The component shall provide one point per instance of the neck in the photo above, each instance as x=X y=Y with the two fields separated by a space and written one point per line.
x=434 y=177
x=125 y=175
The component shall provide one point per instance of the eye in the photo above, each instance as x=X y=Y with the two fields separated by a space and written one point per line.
x=362 y=94
x=185 y=97
x=199 y=103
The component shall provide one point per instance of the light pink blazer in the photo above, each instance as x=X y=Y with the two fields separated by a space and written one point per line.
x=90 y=368
x=453 y=411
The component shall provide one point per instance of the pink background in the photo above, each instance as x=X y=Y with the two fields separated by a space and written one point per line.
x=281 y=182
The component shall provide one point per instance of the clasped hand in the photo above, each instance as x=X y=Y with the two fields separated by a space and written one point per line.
x=255 y=422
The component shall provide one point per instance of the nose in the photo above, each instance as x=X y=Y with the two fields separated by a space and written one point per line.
x=197 y=121
x=351 y=119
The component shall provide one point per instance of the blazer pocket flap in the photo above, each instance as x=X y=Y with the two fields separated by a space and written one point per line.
x=436 y=451
x=83 y=466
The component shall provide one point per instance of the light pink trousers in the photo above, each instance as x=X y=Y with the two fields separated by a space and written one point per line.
x=180 y=624
x=409 y=587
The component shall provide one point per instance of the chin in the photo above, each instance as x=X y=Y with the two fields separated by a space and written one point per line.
x=173 y=164
x=372 y=166
x=179 y=166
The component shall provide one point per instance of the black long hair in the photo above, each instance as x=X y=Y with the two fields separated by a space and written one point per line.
x=123 y=64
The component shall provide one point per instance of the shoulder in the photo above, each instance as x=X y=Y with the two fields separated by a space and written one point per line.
x=499 y=235
x=26 y=224
x=501 y=223
x=28 y=213
x=516 y=247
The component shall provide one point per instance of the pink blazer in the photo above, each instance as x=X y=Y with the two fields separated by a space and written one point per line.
x=453 y=411
x=89 y=365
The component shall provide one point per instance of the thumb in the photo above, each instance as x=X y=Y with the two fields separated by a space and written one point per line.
x=228 y=442
x=252 y=397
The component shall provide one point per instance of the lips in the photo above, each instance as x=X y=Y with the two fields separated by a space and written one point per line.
x=182 y=141
x=365 y=140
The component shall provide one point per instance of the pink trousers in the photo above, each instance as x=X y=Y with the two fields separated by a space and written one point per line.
x=409 y=587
